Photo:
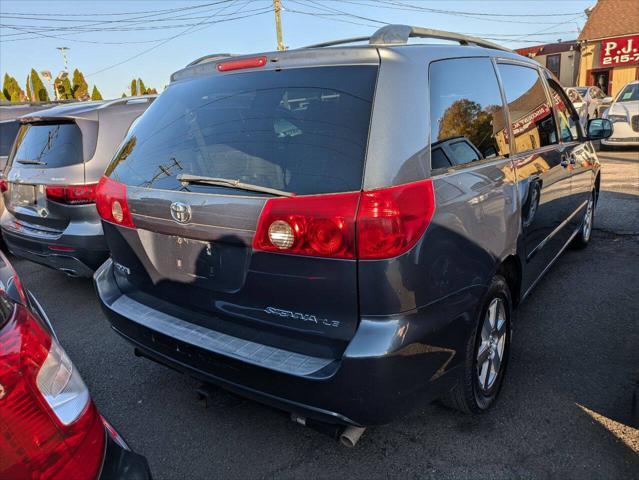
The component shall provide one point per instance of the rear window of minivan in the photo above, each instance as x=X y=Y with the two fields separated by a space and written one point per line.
x=302 y=130
x=49 y=145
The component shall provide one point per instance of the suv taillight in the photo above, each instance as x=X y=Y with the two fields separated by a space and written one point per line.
x=72 y=194
x=49 y=427
x=372 y=224
x=112 y=204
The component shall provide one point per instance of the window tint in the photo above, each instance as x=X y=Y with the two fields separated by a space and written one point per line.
x=48 y=145
x=533 y=124
x=466 y=112
x=567 y=119
x=8 y=132
x=300 y=130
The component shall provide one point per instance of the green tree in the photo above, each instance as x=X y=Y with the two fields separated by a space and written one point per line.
x=141 y=87
x=95 y=94
x=64 y=89
x=80 y=87
x=11 y=89
x=39 y=90
x=134 y=87
x=123 y=95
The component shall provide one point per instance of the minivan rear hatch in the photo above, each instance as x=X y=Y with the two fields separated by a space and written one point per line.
x=296 y=131
x=49 y=153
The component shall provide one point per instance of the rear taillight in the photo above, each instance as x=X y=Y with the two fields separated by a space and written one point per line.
x=391 y=220
x=4 y=186
x=318 y=226
x=112 y=204
x=72 y=194
x=368 y=225
x=49 y=427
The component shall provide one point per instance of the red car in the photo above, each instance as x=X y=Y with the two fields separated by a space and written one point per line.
x=49 y=426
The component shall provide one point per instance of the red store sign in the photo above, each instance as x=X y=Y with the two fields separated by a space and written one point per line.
x=619 y=51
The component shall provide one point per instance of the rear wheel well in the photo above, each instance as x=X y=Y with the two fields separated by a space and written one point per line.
x=510 y=269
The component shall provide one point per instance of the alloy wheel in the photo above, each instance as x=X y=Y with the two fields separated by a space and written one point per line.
x=587 y=226
x=490 y=353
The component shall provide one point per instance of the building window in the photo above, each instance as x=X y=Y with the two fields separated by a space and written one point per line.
x=552 y=63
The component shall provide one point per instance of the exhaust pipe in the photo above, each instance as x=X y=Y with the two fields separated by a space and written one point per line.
x=348 y=436
x=351 y=435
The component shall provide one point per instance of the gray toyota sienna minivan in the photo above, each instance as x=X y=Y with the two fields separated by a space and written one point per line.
x=344 y=232
x=53 y=169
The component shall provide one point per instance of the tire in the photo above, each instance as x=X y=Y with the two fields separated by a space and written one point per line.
x=585 y=231
x=476 y=393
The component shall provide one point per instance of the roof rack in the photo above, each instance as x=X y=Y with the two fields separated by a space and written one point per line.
x=399 y=35
x=209 y=58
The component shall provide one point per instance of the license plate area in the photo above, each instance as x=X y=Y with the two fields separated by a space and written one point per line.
x=195 y=258
x=213 y=266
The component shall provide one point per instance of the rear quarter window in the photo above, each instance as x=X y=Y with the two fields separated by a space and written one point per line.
x=301 y=130
x=49 y=145
x=466 y=112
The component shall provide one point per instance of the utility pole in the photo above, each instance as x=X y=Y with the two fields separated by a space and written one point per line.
x=277 y=8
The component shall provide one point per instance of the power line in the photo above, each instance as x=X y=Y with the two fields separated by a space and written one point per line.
x=167 y=10
x=41 y=33
x=398 y=5
x=184 y=32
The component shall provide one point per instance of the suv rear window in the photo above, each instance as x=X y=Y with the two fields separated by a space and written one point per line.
x=49 y=145
x=300 y=130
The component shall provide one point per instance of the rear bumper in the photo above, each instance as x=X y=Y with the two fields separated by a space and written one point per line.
x=121 y=463
x=390 y=366
x=87 y=252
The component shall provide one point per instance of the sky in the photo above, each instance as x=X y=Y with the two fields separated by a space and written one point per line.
x=113 y=41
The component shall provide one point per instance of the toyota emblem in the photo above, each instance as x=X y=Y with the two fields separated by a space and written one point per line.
x=180 y=212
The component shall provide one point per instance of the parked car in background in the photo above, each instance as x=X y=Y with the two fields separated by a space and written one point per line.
x=9 y=126
x=49 y=426
x=59 y=156
x=596 y=100
x=272 y=231
x=624 y=115
x=579 y=104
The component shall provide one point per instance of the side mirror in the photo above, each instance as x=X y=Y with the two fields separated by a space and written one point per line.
x=599 y=128
x=607 y=100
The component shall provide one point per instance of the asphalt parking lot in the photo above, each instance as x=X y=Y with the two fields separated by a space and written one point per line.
x=566 y=410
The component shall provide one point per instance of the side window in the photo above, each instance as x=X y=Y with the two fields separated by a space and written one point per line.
x=8 y=132
x=568 y=120
x=466 y=112
x=533 y=124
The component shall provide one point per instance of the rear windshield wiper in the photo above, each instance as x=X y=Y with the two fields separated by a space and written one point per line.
x=185 y=178
x=31 y=162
